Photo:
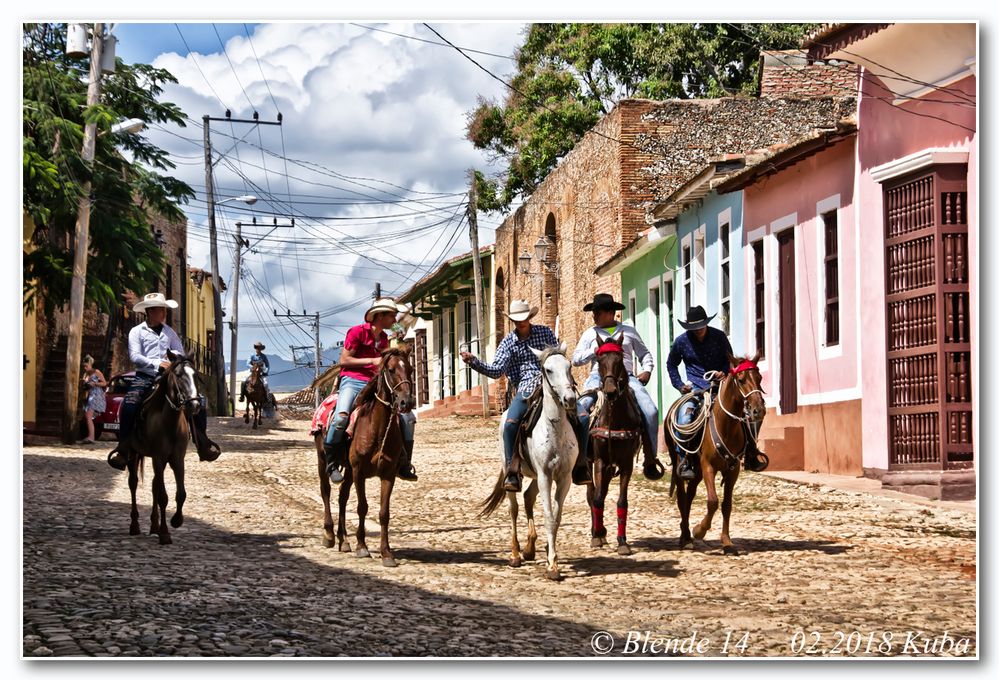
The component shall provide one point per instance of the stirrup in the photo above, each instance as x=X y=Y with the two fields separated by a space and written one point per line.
x=581 y=474
x=653 y=469
x=512 y=482
x=760 y=463
x=334 y=473
x=685 y=469
x=117 y=466
x=408 y=473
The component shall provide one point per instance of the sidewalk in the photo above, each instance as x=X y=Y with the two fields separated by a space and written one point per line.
x=864 y=485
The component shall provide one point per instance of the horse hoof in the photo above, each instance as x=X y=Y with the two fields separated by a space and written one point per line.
x=362 y=552
x=686 y=543
x=516 y=562
x=328 y=542
x=165 y=539
x=596 y=542
x=176 y=521
x=529 y=556
x=246 y=420
x=389 y=562
x=553 y=575
x=134 y=530
x=345 y=548
x=730 y=550
x=624 y=549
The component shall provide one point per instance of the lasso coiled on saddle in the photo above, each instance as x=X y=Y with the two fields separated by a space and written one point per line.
x=686 y=433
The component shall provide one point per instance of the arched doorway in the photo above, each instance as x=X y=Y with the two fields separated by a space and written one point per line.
x=550 y=291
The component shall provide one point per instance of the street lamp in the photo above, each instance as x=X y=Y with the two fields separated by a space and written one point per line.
x=541 y=255
x=249 y=200
x=130 y=126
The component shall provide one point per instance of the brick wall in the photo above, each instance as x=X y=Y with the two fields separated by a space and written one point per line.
x=787 y=73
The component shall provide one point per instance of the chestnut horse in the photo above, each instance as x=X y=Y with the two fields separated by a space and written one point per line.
x=376 y=447
x=734 y=416
x=615 y=439
x=256 y=394
x=161 y=433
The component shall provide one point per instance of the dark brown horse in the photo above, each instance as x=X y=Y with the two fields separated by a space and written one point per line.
x=735 y=415
x=256 y=394
x=376 y=447
x=161 y=434
x=615 y=439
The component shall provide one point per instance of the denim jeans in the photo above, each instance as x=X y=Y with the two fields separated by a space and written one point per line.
x=650 y=413
x=511 y=423
x=349 y=389
x=142 y=385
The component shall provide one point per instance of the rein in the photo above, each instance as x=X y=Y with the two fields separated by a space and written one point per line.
x=393 y=411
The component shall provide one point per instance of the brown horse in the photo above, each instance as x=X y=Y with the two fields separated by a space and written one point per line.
x=615 y=439
x=161 y=434
x=735 y=415
x=377 y=447
x=256 y=394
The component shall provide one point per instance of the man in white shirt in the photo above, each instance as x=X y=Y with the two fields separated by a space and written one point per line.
x=604 y=309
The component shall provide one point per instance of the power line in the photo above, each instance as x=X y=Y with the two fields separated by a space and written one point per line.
x=195 y=61
x=259 y=66
x=232 y=68
x=433 y=42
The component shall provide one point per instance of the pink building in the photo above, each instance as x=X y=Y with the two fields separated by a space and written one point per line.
x=861 y=246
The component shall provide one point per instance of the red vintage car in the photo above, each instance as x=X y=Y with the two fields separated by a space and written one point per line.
x=113 y=395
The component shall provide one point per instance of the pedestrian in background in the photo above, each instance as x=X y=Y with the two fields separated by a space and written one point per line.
x=94 y=382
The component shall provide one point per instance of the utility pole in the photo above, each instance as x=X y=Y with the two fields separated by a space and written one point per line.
x=473 y=239
x=221 y=405
x=234 y=321
x=74 y=339
x=315 y=318
x=378 y=290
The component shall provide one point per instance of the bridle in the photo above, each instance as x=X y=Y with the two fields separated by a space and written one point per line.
x=752 y=424
x=393 y=406
x=172 y=385
x=605 y=348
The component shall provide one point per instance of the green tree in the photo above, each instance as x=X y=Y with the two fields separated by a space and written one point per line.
x=127 y=184
x=571 y=75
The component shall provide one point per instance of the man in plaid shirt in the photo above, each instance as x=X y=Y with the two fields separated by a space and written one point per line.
x=515 y=360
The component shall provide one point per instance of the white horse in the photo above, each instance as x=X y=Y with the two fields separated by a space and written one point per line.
x=552 y=450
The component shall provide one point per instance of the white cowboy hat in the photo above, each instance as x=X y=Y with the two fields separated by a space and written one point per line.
x=154 y=300
x=521 y=310
x=384 y=305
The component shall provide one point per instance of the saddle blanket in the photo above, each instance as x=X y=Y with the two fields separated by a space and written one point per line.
x=324 y=414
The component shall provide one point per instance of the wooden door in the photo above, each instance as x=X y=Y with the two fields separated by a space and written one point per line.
x=788 y=323
x=422 y=370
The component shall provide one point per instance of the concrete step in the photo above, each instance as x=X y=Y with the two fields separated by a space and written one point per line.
x=787 y=453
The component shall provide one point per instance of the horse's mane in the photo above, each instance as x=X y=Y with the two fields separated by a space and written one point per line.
x=548 y=352
x=366 y=397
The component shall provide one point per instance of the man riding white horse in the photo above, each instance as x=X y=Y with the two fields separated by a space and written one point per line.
x=604 y=309
x=517 y=362
x=265 y=367
x=701 y=348
x=359 y=363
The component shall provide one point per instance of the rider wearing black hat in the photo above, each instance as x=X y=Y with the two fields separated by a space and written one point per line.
x=701 y=348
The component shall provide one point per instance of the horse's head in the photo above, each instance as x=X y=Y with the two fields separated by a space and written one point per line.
x=556 y=373
x=610 y=365
x=745 y=374
x=397 y=373
x=181 y=388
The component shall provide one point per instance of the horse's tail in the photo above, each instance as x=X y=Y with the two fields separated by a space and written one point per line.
x=495 y=498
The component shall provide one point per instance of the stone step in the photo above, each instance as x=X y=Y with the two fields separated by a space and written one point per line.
x=787 y=453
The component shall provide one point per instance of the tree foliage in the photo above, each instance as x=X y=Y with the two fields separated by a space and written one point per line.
x=128 y=175
x=570 y=75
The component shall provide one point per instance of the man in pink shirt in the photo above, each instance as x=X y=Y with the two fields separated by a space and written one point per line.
x=359 y=362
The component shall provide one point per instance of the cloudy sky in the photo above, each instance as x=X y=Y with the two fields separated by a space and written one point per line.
x=371 y=159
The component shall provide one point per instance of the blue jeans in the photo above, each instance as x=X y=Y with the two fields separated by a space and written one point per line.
x=650 y=412
x=137 y=392
x=514 y=414
x=349 y=389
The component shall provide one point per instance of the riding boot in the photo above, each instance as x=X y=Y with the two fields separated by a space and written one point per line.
x=652 y=468
x=512 y=482
x=686 y=471
x=755 y=460
x=118 y=459
x=242 y=393
x=406 y=470
x=336 y=459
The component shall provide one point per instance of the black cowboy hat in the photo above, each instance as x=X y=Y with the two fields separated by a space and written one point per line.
x=602 y=301
x=696 y=318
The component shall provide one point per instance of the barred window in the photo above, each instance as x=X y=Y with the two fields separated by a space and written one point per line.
x=831 y=272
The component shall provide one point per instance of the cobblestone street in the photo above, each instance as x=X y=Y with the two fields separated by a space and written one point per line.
x=821 y=571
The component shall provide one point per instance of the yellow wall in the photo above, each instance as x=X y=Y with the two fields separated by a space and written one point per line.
x=29 y=342
x=200 y=310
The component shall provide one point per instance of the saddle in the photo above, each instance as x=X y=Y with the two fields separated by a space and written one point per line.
x=530 y=419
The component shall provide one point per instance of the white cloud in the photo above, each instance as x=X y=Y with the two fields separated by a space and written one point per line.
x=356 y=103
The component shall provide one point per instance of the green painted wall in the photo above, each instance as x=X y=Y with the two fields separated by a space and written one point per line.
x=654 y=270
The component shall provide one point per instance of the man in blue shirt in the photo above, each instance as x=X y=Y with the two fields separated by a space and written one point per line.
x=515 y=360
x=258 y=358
x=701 y=349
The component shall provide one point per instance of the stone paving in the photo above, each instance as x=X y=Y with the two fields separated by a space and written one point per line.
x=820 y=571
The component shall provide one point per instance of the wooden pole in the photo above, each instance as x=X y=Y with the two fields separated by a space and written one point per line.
x=473 y=239
x=81 y=248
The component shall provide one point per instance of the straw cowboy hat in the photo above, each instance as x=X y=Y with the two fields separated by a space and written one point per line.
x=602 y=301
x=260 y=345
x=384 y=305
x=521 y=310
x=696 y=318
x=154 y=300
